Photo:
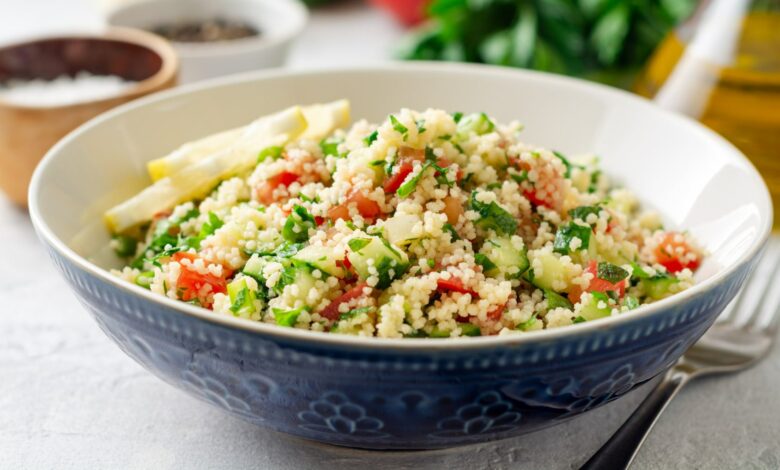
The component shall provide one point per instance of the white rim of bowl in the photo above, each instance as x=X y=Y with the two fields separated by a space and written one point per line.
x=409 y=345
x=298 y=13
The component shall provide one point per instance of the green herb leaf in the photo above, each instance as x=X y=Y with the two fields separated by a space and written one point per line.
x=583 y=212
x=287 y=317
x=241 y=298
x=410 y=185
x=555 y=300
x=124 y=246
x=273 y=152
x=485 y=262
x=400 y=128
x=493 y=216
x=355 y=312
x=453 y=234
x=566 y=233
x=330 y=146
x=527 y=324
x=296 y=227
x=371 y=138
x=357 y=244
x=611 y=273
x=580 y=319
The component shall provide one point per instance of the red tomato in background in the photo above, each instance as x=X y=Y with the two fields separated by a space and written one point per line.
x=408 y=12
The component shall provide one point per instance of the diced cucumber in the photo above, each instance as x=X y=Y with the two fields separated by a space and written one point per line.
x=505 y=257
x=398 y=229
x=325 y=259
x=242 y=298
x=388 y=260
x=144 y=279
x=469 y=329
x=305 y=282
x=254 y=267
x=592 y=311
x=552 y=270
x=439 y=333
x=658 y=287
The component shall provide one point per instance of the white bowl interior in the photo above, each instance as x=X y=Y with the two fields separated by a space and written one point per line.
x=273 y=18
x=693 y=177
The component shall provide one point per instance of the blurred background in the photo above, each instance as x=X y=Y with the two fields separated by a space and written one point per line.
x=715 y=60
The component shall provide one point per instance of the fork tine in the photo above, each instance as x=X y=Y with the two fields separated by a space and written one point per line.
x=766 y=312
x=765 y=276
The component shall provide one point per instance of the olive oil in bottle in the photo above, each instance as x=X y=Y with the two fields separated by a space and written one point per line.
x=723 y=67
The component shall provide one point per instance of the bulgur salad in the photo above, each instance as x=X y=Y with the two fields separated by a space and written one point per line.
x=428 y=224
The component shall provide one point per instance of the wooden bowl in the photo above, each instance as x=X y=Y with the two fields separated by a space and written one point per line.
x=27 y=132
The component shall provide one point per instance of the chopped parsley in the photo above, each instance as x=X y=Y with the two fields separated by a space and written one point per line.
x=400 y=128
x=580 y=319
x=287 y=317
x=555 y=300
x=582 y=212
x=330 y=146
x=492 y=216
x=566 y=233
x=485 y=262
x=409 y=186
x=420 y=126
x=469 y=329
x=371 y=138
x=611 y=273
x=357 y=244
x=355 y=312
x=296 y=227
x=274 y=152
x=453 y=234
x=124 y=246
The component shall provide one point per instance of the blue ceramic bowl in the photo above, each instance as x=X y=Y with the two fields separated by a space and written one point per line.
x=411 y=393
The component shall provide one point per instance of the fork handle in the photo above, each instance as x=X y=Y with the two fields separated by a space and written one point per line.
x=620 y=450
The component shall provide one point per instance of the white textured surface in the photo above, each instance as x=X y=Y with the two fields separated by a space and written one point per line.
x=70 y=399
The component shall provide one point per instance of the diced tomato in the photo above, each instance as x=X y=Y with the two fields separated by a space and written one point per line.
x=533 y=199
x=453 y=209
x=319 y=220
x=331 y=312
x=453 y=284
x=396 y=179
x=190 y=283
x=496 y=313
x=597 y=285
x=265 y=192
x=673 y=253
x=368 y=208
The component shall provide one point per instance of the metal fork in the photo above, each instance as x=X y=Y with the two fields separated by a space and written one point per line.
x=742 y=336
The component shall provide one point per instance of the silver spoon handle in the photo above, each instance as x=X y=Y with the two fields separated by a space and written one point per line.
x=620 y=450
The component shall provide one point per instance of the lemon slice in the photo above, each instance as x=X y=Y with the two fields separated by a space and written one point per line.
x=325 y=118
x=321 y=119
x=197 y=179
x=190 y=152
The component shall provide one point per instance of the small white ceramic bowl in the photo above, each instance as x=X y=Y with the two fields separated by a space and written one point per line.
x=280 y=22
